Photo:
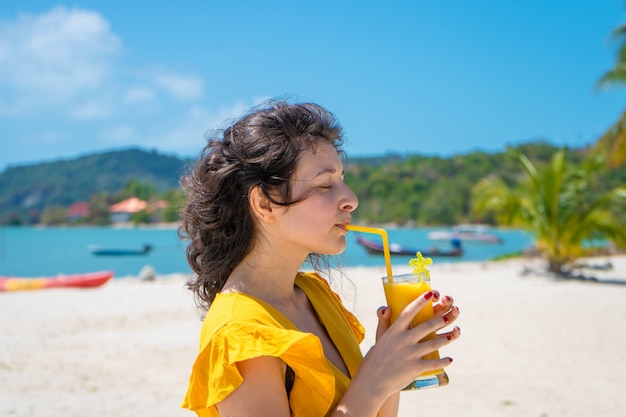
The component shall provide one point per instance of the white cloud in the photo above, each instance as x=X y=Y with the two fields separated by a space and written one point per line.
x=139 y=95
x=180 y=86
x=94 y=109
x=65 y=65
x=48 y=137
x=118 y=135
x=54 y=57
x=187 y=135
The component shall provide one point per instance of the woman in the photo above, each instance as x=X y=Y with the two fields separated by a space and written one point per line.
x=266 y=195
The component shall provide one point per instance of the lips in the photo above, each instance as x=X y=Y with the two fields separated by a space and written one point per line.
x=342 y=226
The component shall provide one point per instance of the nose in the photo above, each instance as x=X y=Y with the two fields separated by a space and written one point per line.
x=350 y=201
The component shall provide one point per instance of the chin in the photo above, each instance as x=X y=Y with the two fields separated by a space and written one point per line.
x=334 y=248
x=338 y=250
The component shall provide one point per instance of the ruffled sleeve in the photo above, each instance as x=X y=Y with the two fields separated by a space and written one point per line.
x=258 y=331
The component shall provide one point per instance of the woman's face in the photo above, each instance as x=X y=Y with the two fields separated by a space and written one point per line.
x=317 y=223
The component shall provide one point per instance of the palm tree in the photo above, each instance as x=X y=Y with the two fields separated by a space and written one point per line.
x=559 y=205
x=613 y=142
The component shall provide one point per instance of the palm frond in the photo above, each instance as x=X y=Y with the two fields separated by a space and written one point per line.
x=612 y=143
x=560 y=204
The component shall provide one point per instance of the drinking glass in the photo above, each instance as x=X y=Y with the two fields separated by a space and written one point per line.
x=400 y=290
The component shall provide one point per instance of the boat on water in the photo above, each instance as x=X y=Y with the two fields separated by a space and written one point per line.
x=373 y=247
x=99 y=251
x=86 y=280
x=467 y=232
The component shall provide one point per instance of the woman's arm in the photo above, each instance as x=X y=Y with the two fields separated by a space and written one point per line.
x=391 y=406
x=262 y=392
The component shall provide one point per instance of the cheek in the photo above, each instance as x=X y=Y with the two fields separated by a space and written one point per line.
x=310 y=216
x=322 y=205
x=317 y=210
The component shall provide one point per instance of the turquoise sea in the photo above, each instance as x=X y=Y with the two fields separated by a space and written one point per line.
x=32 y=252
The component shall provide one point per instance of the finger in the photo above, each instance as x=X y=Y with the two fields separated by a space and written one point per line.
x=436 y=323
x=440 y=340
x=428 y=365
x=425 y=349
x=410 y=311
x=452 y=335
x=384 y=321
x=451 y=315
x=444 y=306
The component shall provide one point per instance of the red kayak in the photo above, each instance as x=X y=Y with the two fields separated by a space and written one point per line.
x=88 y=280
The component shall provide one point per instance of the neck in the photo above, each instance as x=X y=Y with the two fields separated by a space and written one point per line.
x=265 y=273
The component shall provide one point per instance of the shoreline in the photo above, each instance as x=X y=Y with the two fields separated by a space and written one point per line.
x=530 y=345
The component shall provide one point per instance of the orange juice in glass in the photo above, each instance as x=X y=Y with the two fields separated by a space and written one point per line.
x=399 y=292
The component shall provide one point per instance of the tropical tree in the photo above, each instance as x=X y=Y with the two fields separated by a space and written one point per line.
x=175 y=199
x=613 y=142
x=560 y=204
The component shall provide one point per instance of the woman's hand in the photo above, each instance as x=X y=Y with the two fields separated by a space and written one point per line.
x=396 y=359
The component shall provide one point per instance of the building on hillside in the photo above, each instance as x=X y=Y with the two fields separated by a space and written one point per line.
x=159 y=205
x=77 y=211
x=157 y=209
x=121 y=212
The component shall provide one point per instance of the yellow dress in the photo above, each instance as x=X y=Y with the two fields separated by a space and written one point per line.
x=239 y=327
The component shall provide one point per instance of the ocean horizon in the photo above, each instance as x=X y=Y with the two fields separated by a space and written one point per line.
x=50 y=251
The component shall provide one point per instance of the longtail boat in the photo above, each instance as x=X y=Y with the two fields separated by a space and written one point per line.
x=396 y=249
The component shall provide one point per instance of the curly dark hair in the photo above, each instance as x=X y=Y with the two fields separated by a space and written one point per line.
x=260 y=149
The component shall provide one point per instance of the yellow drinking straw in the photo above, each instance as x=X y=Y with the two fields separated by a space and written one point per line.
x=383 y=234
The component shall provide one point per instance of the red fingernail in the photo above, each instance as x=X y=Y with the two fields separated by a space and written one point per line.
x=448 y=298
x=449 y=337
x=445 y=319
x=451 y=360
x=428 y=295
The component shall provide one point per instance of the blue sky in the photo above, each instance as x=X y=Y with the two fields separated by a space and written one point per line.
x=426 y=77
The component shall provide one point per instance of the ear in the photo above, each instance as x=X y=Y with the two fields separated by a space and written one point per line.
x=260 y=205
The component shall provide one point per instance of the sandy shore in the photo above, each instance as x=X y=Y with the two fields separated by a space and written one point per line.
x=530 y=346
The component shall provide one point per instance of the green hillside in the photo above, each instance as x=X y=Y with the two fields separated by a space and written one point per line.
x=426 y=190
x=401 y=189
x=33 y=188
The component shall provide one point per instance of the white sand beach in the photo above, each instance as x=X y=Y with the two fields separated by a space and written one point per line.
x=530 y=346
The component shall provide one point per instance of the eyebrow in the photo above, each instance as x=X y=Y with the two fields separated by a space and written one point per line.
x=324 y=171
